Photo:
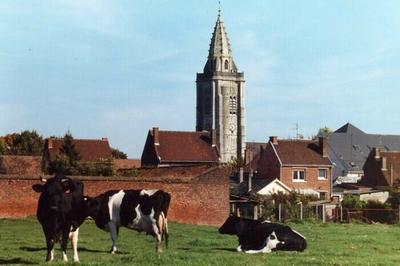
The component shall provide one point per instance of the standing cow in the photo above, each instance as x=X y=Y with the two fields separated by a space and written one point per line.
x=262 y=236
x=60 y=213
x=140 y=210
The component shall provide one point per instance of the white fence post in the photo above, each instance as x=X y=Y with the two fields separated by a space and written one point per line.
x=301 y=211
x=280 y=212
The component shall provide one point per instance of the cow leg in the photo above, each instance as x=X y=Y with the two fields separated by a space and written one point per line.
x=239 y=248
x=50 y=249
x=114 y=236
x=74 y=240
x=64 y=243
x=158 y=236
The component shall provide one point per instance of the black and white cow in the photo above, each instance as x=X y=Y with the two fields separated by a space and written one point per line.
x=60 y=213
x=140 y=210
x=262 y=236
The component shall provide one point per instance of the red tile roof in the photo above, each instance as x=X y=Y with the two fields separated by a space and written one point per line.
x=121 y=164
x=89 y=149
x=300 y=152
x=178 y=147
x=186 y=146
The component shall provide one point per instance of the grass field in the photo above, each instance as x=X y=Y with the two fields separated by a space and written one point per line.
x=22 y=242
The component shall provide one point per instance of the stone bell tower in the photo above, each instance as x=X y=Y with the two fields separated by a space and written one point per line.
x=220 y=97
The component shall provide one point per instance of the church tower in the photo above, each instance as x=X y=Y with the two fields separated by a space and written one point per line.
x=220 y=97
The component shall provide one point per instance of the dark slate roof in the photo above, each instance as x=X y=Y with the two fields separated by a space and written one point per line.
x=89 y=149
x=181 y=146
x=349 y=147
x=300 y=152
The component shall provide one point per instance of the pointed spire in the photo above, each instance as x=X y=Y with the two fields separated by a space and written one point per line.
x=220 y=53
x=220 y=45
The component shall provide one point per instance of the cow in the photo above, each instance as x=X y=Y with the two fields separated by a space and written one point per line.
x=262 y=236
x=140 y=210
x=59 y=212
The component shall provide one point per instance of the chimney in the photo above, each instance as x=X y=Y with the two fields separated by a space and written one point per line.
x=248 y=156
x=240 y=175
x=156 y=136
x=384 y=164
x=274 y=140
x=250 y=182
x=377 y=153
x=323 y=145
x=49 y=143
x=213 y=138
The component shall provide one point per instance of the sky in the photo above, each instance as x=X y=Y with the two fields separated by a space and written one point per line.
x=115 y=69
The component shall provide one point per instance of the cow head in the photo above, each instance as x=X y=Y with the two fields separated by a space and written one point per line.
x=272 y=242
x=230 y=226
x=53 y=192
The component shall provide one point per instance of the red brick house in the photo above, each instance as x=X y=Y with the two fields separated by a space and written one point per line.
x=382 y=168
x=89 y=149
x=302 y=165
x=178 y=148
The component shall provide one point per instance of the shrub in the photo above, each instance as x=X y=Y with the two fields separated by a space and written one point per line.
x=353 y=202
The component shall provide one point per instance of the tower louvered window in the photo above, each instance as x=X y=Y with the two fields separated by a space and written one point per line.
x=232 y=105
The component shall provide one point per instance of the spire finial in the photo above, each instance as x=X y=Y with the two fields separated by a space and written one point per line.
x=219 y=8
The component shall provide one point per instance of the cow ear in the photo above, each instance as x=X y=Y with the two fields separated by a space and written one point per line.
x=38 y=188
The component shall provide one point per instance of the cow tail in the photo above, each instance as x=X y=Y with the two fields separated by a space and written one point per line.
x=165 y=229
x=165 y=212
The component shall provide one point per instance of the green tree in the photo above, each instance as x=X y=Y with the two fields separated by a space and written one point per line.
x=26 y=143
x=117 y=154
x=67 y=161
x=68 y=148
x=324 y=132
x=3 y=147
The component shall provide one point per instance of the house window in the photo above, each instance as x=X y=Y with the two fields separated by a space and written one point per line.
x=322 y=174
x=299 y=175
x=322 y=195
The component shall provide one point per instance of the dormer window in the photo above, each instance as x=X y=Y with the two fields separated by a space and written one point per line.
x=226 y=65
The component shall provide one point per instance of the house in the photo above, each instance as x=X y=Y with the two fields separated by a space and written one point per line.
x=88 y=149
x=178 y=148
x=363 y=192
x=382 y=168
x=349 y=148
x=301 y=165
x=274 y=187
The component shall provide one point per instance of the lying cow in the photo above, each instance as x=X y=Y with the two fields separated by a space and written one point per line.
x=257 y=236
x=140 y=210
x=60 y=213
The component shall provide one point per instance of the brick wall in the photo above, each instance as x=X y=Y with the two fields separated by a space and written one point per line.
x=269 y=167
x=311 y=179
x=21 y=164
x=201 y=200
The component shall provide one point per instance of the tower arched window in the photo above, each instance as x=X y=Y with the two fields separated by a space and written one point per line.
x=226 y=65
x=232 y=105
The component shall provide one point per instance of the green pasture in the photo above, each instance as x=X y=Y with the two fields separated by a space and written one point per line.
x=22 y=243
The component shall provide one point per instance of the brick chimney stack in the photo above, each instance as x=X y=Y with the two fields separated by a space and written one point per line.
x=248 y=156
x=49 y=143
x=377 y=153
x=323 y=145
x=274 y=140
x=156 y=136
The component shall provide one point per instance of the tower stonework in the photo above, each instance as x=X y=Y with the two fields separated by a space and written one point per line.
x=221 y=97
